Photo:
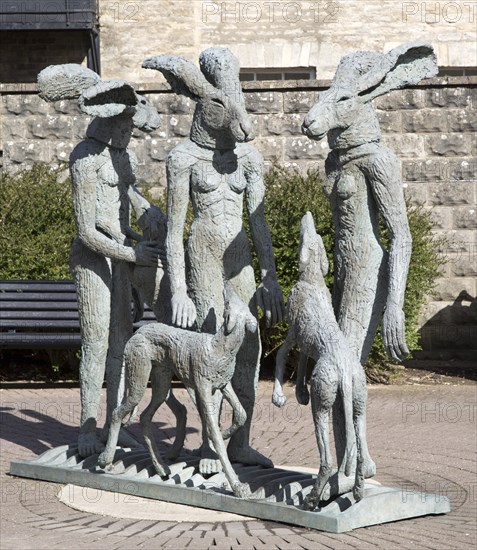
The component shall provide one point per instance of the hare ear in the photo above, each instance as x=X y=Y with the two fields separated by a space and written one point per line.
x=183 y=76
x=108 y=98
x=403 y=66
x=65 y=81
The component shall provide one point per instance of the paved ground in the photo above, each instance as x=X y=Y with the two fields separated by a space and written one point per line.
x=423 y=438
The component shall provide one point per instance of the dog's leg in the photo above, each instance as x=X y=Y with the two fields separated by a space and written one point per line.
x=301 y=390
x=239 y=414
x=161 y=384
x=324 y=388
x=363 y=461
x=358 y=489
x=180 y=412
x=137 y=369
x=347 y=397
x=206 y=408
x=278 y=398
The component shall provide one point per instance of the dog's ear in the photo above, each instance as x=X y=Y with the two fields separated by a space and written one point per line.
x=182 y=75
x=307 y=238
x=323 y=258
x=403 y=66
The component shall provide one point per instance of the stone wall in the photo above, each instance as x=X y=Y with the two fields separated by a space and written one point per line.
x=431 y=127
x=263 y=33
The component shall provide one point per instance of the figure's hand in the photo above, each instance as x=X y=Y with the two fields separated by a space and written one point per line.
x=146 y=253
x=270 y=301
x=393 y=330
x=183 y=310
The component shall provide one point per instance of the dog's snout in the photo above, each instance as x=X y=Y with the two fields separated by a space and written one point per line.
x=247 y=130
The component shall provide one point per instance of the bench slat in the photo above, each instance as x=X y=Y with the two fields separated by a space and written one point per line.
x=38 y=324
x=37 y=296
x=39 y=340
x=36 y=286
x=40 y=305
x=39 y=315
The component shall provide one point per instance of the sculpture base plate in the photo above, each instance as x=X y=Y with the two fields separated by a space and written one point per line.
x=278 y=493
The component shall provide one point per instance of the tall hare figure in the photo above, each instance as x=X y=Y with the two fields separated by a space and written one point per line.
x=216 y=169
x=363 y=183
x=102 y=172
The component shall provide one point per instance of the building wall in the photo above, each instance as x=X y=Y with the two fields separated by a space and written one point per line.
x=265 y=33
x=431 y=127
x=26 y=53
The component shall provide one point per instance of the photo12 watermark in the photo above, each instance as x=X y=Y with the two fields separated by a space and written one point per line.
x=439 y=12
x=438 y=412
x=269 y=12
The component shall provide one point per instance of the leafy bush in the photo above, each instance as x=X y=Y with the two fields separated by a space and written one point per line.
x=289 y=194
x=36 y=224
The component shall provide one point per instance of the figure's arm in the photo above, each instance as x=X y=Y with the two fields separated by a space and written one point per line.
x=178 y=176
x=84 y=181
x=269 y=294
x=385 y=180
x=139 y=206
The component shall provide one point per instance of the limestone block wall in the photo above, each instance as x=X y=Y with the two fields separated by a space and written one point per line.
x=431 y=127
x=263 y=33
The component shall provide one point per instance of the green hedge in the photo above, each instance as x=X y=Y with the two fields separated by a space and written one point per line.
x=36 y=224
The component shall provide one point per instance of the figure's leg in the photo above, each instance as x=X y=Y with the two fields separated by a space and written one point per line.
x=92 y=276
x=206 y=281
x=360 y=396
x=180 y=412
x=245 y=379
x=120 y=331
x=358 y=300
x=301 y=390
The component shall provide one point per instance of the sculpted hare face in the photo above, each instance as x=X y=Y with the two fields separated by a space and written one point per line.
x=360 y=78
x=220 y=115
x=98 y=98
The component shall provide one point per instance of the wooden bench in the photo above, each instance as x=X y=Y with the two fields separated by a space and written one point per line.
x=42 y=315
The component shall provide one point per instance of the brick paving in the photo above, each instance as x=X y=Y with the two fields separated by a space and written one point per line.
x=423 y=438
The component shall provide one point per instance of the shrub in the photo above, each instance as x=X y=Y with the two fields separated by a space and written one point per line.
x=289 y=194
x=36 y=224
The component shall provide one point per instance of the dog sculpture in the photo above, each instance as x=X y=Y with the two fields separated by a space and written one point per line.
x=204 y=362
x=337 y=371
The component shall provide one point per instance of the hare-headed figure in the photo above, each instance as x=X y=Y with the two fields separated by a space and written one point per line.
x=337 y=372
x=217 y=169
x=363 y=183
x=103 y=176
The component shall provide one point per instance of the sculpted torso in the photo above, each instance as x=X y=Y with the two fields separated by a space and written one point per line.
x=114 y=174
x=217 y=185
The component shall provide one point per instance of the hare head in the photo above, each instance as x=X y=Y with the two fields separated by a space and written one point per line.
x=102 y=99
x=312 y=253
x=220 y=118
x=361 y=77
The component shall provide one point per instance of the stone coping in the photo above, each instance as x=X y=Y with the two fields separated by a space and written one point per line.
x=251 y=86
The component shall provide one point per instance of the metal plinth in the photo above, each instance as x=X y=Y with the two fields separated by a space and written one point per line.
x=278 y=493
